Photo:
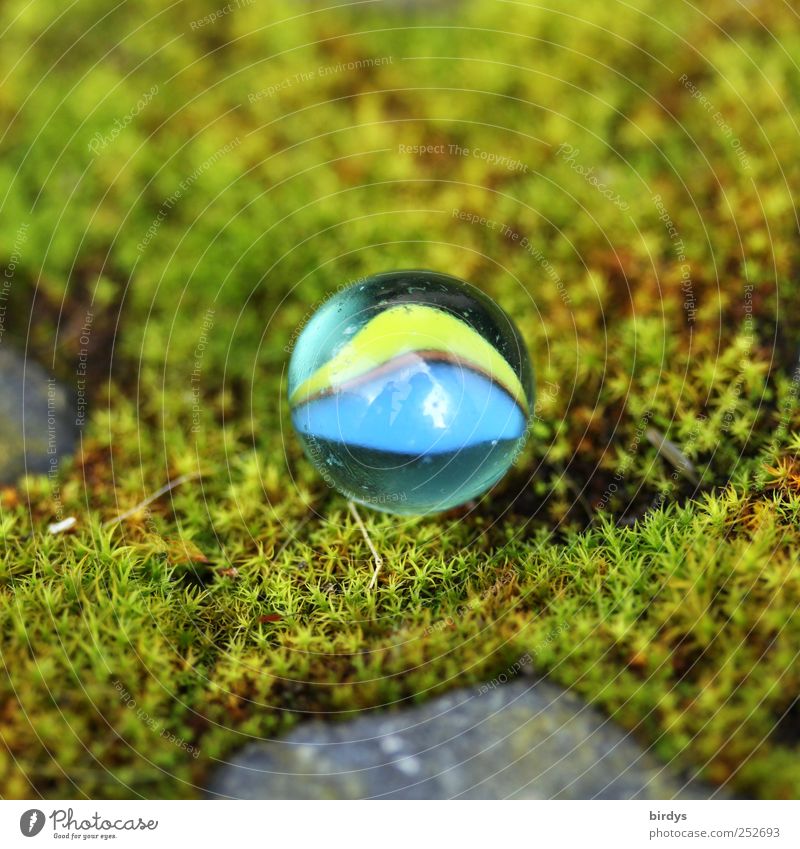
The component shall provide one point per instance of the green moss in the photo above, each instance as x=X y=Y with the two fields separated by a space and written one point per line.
x=204 y=232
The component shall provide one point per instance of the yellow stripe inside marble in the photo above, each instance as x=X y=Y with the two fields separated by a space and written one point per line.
x=403 y=329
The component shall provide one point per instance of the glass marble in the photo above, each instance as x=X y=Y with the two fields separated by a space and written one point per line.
x=410 y=391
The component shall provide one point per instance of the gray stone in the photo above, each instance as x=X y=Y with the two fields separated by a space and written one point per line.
x=526 y=740
x=35 y=419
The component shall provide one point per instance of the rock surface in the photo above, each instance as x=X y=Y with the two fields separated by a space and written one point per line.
x=524 y=740
x=35 y=419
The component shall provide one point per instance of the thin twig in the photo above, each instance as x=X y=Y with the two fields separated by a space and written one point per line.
x=64 y=525
x=151 y=498
x=673 y=454
x=375 y=556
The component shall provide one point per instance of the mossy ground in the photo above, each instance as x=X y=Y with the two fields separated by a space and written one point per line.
x=192 y=243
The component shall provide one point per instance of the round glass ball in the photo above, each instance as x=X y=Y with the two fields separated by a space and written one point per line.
x=411 y=391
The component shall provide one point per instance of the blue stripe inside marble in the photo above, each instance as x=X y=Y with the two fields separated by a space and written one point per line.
x=420 y=408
